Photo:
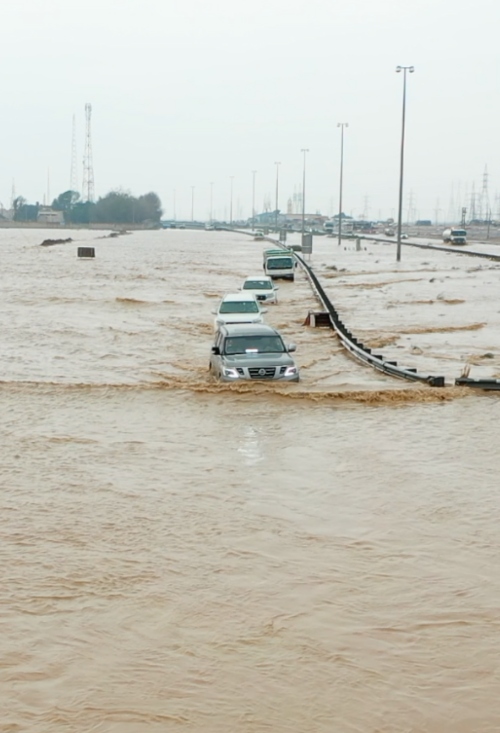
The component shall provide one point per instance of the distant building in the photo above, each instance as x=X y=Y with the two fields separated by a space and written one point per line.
x=6 y=214
x=311 y=219
x=48 y=215
x=268 y=218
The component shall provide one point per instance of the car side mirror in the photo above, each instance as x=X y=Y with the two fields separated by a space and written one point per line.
x=292 y=347
x=263 y=310
x=276 y=287
x=214 y=312
x=215 y=350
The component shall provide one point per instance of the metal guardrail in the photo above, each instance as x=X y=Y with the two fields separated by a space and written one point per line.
x=359 y=350
x=364 y=353
x=436 y=247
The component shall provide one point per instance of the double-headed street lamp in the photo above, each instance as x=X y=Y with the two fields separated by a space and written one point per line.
x=277 y=164
x=211 y=201
x=192 y=203
x=304 y=151
x=339 y=223
x=404 y=69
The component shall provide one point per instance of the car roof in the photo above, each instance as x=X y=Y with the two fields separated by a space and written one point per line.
x=246 y=329
x=258 y=277
x=238 y=296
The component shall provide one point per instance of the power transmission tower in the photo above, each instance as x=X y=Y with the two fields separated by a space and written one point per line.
x=410 y=208
x=473 y=203
x=436 y=213
x=485 y=198
x=88 y=166
x=73 y=176
x=366 y=207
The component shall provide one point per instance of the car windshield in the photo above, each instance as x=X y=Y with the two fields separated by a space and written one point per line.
x=254 y=344
x=278 y=263
x=239 y=306
x=257 y=285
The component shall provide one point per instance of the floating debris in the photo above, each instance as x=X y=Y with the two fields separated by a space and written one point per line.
x=50 y=242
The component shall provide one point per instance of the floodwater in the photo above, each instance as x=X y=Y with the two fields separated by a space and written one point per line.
x=178 y=555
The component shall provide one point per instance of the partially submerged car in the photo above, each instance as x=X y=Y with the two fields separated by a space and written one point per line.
x=247 y=351
x=262 y=287
x=238 y=308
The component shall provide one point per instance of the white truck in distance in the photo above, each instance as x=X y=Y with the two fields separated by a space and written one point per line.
x=455 y=236
x=279 y=263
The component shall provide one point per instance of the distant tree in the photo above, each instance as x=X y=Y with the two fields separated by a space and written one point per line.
x=26 y=212
x=81 y=213
x=65 y=202
x=18 y=202
x=123 y=208
x=116 y=207
x=150 y=208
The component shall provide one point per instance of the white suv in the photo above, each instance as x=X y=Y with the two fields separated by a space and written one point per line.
x=238 y=308
x=263 y=287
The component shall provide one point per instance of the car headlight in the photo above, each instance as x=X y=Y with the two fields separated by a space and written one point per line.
x=233 y=373
x=290 y=371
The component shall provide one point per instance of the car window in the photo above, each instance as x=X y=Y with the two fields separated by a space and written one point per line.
x=257 y=285
x=277 y=263
x=254 y=344
x=239 y=306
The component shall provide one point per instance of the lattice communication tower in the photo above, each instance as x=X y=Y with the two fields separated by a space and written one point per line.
x=88 y=166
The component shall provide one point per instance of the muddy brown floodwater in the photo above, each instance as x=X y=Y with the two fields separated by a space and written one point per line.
x=182 y=556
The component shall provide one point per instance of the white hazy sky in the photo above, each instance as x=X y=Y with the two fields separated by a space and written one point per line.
x=185 y=92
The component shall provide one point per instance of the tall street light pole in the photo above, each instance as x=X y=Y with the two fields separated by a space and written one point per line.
x=277 y=164
x=192 y=203
x=211 y=201
x=404 y=69
x=231 y=202
x=175 y=212
x=253 y=198
x=304 y=151
x=339 y=223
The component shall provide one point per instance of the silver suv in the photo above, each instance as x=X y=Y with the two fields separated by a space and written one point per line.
x=252 y=351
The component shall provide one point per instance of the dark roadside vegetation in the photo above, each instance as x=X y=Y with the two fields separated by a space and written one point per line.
x=117 y=207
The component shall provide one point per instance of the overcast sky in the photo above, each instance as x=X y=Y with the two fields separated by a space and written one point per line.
x=188 y=92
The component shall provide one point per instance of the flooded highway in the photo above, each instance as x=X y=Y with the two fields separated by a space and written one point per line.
x=179 y=555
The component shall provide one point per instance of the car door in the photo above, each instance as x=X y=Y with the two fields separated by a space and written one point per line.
x=215 y=359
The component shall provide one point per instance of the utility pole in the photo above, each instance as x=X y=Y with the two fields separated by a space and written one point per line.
x=404 y=69
x=341 y=125
x=304 y=151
